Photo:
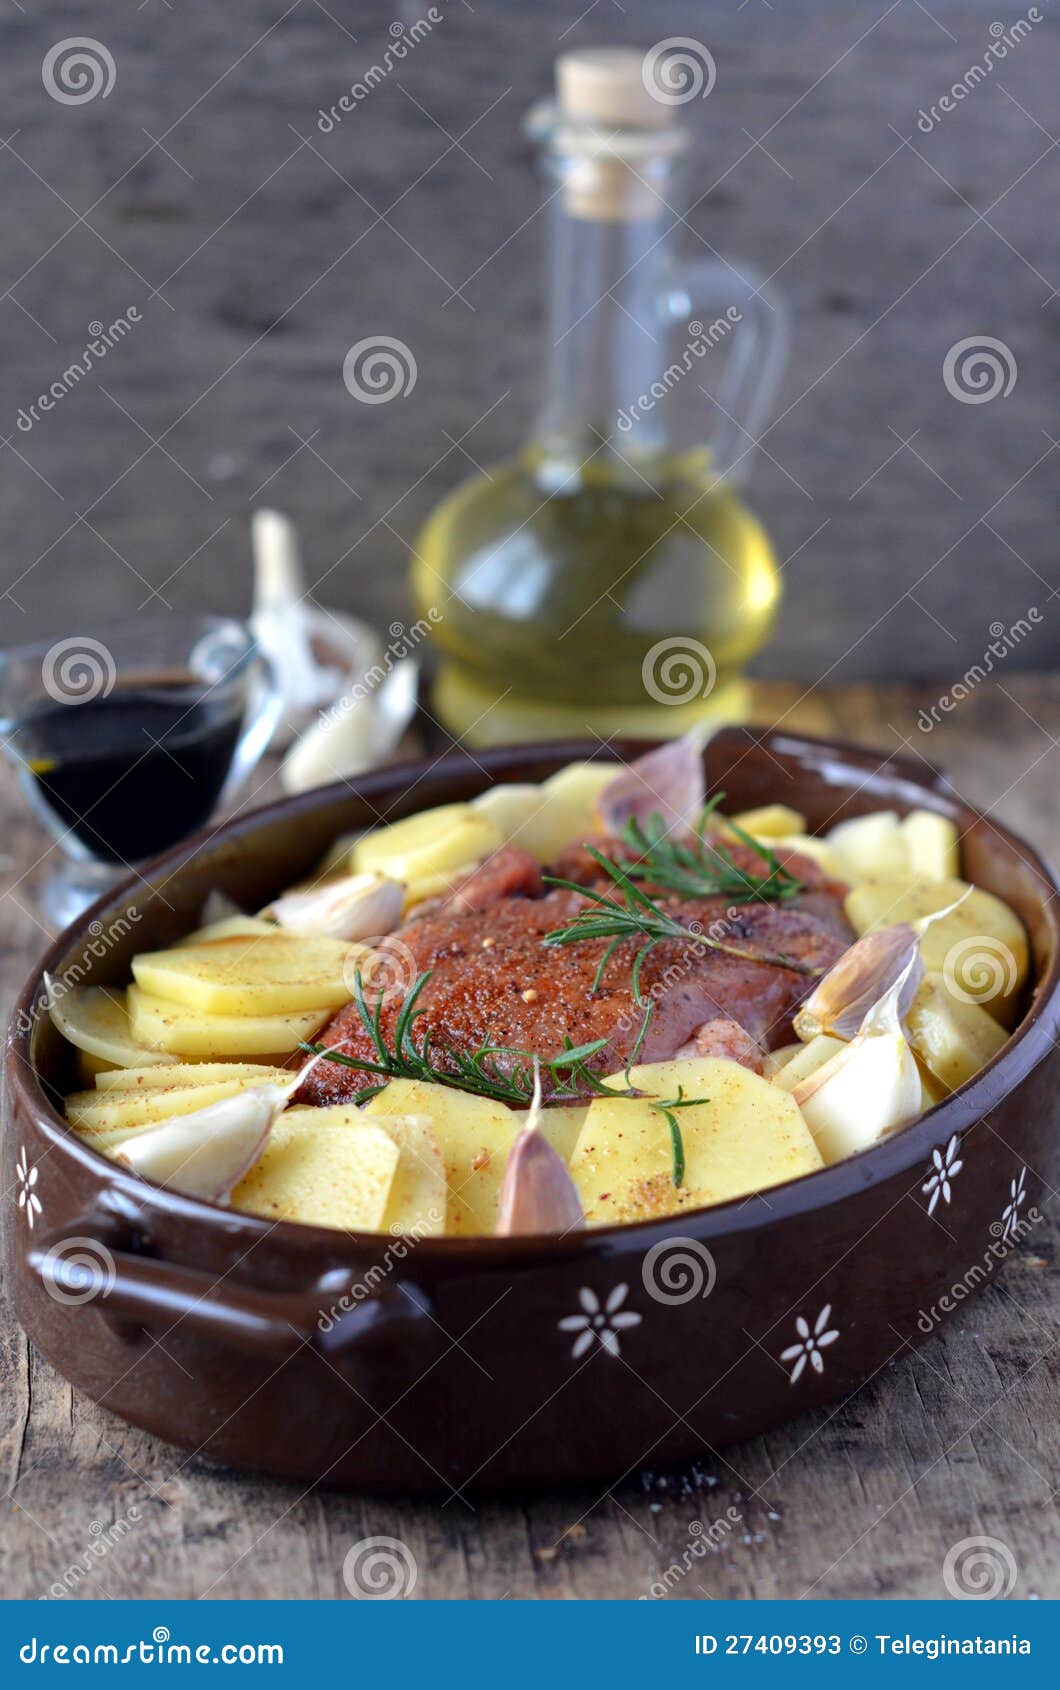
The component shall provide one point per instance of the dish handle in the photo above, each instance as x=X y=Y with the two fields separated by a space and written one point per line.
x=89 y=1261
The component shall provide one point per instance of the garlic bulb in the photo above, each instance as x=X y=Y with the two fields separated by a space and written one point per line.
x=870 y=1088
x=537 y=1194
x=356 y=907
x=863 y=975
x=207 y=1153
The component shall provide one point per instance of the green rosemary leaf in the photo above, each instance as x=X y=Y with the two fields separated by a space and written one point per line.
x=678 y=1146
x=702 y=867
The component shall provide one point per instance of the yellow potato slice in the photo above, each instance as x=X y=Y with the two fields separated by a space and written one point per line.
x=179 y=1031
x=981 y=948
x=818 y=852
x=931 y=845
x=428 y=844
x=561 y=1126
x=872 y=845
x=107 y=1111
x=229 y=927
x=769 y=821
x=474 y=1135
x=337 y=1175
x=417 y=1201
x=512 y=808
x=190 y=1074
x=953 y=1039
x=96 y=1020
x=255 y=975
x=806 y=1060
x=566 y=812
x=746 y=1136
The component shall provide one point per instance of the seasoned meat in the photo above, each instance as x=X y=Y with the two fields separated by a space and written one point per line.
x=725 y=1038
x=494 y=979
x=507 y=873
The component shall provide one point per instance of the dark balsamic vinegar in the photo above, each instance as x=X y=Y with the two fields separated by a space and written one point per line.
x=134 y=772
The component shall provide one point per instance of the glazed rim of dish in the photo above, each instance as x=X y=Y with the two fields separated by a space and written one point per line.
x=906 y=1150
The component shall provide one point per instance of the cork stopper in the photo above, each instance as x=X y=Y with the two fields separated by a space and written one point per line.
x=605 y=86
x=615 y=137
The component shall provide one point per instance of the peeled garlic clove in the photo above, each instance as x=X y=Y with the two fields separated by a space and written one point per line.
x=866 y=1092
x=537 y=1194
x=863 y=976
x=207 y=1153
x=668 y=782
x=356 y=907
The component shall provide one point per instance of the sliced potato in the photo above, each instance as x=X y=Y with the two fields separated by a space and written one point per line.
x=190 y=1074
x=254 y=975
x=512 y=808
x=870 y=845
x=818 y=851
x=474 y=1135
x=981 y=947
x=108 y=1111
x=770 y=821
x=176 y=1030
x=566 y=811
x=229 y=927
x=423 y=848
x=561 y=1126
x=775 y=1060
x=745 y=1136
x=931 y=846
x=806 y=1061
x=417 y=1201
x=96 y=1020
x=953 y=1039
x=322 y=1175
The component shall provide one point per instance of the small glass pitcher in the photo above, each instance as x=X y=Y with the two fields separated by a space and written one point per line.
x=609 y=578
x=127 y=737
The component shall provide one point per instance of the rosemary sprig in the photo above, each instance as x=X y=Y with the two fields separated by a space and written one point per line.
x=667 y=1108
x=475 y=1071
x=705 y=868
x=635 y=915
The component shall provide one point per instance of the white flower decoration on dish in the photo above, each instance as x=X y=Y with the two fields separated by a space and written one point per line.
x=810 y=1344
x=599 y=1322
x=1010 y=1214
x=945 y=1166
x=27 y=1196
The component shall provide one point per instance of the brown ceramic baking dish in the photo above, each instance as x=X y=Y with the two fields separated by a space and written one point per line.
x=495 y=1363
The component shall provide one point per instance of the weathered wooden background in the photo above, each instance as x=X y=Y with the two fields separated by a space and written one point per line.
x=959 y=1440
x=257 y=250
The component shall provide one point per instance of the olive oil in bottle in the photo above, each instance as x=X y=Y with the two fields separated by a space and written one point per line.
x=608 y=577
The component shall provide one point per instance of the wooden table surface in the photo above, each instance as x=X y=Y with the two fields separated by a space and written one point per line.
x=959 y=1440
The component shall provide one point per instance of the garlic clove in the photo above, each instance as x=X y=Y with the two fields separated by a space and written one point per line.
x=359 y=729
x=668 y=782
x=356 y=907
x=207 y=1153
x=868 y=1091
x=860 y=979
x=537 y=1193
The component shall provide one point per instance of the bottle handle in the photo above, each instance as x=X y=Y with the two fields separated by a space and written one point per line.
x=720 y=301
x=261 y=712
